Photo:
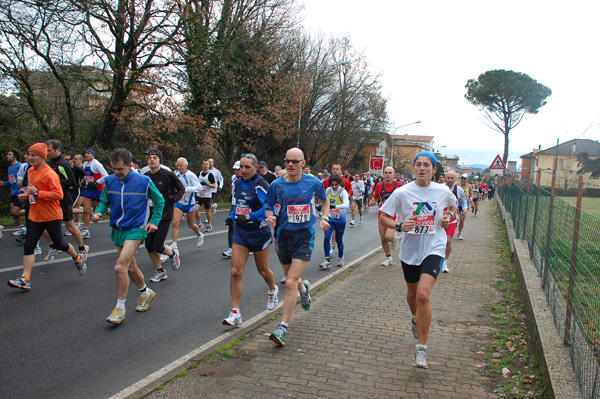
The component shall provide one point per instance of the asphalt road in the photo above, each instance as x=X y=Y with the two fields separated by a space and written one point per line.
x=55 y=340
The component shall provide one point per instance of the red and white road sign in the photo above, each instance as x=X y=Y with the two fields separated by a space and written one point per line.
x=497 y=164
x=376 y=163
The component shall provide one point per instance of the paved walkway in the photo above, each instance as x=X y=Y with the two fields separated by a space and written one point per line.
x=356 y=340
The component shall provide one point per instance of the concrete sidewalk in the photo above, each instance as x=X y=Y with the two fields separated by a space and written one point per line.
x=356 y=340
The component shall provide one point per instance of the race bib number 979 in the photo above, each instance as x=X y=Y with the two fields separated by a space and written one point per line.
x=298 y=213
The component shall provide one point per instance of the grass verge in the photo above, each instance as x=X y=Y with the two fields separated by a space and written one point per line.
x=510 y=360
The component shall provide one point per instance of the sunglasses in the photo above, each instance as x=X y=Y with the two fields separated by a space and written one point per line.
x=250 y=156
x=294 y=161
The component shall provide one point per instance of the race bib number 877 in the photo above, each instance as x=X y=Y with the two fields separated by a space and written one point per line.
x=298 y=213
x=424 y=225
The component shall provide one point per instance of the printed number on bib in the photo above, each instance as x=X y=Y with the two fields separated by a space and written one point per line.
x=89 y=179
x=11 y=179
x=424 y=225
x=298 y=213
x=334 y=214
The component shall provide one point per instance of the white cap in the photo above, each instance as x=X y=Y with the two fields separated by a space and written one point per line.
x=237 y=165
x=466 y=176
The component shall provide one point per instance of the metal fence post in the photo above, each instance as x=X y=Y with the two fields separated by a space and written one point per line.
x=550 y=214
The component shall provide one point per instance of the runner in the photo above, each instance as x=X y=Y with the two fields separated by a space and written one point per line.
x=251 y=234
x=475 y=207
x=12 y=156
x=172 y=191
x=43 y=192
x=80 y=176
x=265 y=173
x=187 y=204
x=461 y=199
x=228 y=222
x=419 y=206
x=219 y=180
x=70 y=188
x=126 y=194
x=464 y=184
x=295 y=236
x=382 y=192
x=338 y=203
x=94 y=183
x=204 y=196
x=358 y=191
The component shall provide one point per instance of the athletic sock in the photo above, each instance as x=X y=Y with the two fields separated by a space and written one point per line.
x=284 y=324
x=121 y=303
x=145 y=286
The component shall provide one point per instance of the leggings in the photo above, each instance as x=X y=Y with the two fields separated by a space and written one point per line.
x=155 y=242
x=35 y=230
x=339 y=235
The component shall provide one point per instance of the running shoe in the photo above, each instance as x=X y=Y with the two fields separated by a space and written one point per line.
x=200 y=225
x=326 y=264
x=144 y=300
x=460 y=237
x=227 y=253
x=208 y=228
x=421 y=356
x=214 y=208
x=234 y=319
x=51 y=255
x=352 y=222
x=445 y=267
x=67 y=233
x=81 y=265
x=387 y=261
x=305 y=299
x=340 y=262
x=20 y=240
x=278 y=336
x=84 y=253
x=413 y=324
x=272 y=299
x=116 y=316
x=283 y=279
x=38 y=249
x=21 y=232
x=175 y=261
x=200 y=240
x=360 y=220
x=21 y=283
x=85 y=233
x=159 y=276
x=206 y=220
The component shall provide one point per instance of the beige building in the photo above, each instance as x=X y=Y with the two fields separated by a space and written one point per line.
x=567 y=165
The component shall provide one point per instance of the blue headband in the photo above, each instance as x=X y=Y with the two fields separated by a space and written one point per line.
x=428 y=155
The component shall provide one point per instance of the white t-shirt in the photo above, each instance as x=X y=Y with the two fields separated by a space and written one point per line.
x=427 y=203
x=358 y=188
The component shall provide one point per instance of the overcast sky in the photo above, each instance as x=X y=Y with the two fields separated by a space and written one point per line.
x=426 y=51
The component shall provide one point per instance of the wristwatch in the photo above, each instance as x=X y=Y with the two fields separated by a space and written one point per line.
x=399 y=227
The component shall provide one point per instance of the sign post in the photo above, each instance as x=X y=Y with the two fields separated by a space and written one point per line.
x=496 y=167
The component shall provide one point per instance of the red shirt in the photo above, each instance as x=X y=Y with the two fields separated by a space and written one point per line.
x=388 y=188
x=347 y=185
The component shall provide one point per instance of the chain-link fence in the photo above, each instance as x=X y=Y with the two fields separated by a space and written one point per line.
x=564 y=245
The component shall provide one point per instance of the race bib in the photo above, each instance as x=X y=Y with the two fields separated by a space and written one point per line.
x=186 y=198
x=242 y=211
x=357 y=196
x=424 y=225
x=277 y=209
x=334 y=214
x=31 y=199
x=298 y=213
x=11 y=179
x=89 y=179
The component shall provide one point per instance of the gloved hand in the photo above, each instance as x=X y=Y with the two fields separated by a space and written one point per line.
x=91 y=185
x=229 y=222
x=242 y=219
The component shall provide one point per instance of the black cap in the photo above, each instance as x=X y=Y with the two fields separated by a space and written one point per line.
x=153 y=151
x=262 y=164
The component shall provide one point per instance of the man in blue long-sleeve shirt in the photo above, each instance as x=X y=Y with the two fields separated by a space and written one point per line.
x=12 y=156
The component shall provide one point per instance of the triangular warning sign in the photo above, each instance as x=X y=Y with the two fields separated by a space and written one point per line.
x=497 y=164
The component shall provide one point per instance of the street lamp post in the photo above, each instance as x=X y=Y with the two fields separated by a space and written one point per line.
x=391 y=136
x=300 y=108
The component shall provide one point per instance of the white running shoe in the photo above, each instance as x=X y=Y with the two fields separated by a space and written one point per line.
x=340 y=262
x=145 y=299
x=200 y=240
x=85 y=233
x=175 y=261
x=387 y=261
x=283 y=279
x=460 y=237
x=159 y=276
x=227 y=253
x=326 y=264
x=445 y=267
x=352 y=222
x=421 y=356
x=234 y=319
x=208 y=228
x=38 y=249
x=360 y=220
x=272 y=300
